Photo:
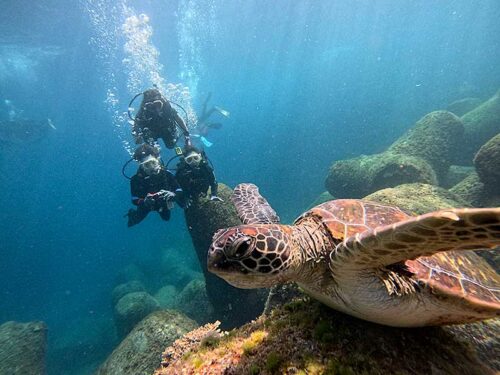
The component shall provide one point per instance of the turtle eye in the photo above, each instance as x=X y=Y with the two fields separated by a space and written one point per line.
x=241 y=247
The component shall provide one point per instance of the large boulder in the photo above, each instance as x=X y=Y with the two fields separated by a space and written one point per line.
x=437 y=138
x=472 y=190
x=462 y=106
x=480 y=124
x=167 y=296
x=417 y=199
x=131 y=309
x=193 y=301
x=357 y=177
x=232 y=306
x=487 y=163
x=140 y=351
x=22 y=348
x=423 y=154
x=306 y=337
x=455 y=174
x=122 y=289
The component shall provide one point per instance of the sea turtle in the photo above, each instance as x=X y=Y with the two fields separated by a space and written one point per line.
x=366 y=259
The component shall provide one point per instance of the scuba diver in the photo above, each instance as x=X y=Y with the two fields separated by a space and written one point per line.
x=157 y=119
x=153 y=187
x=195 y=175
x=203 y=126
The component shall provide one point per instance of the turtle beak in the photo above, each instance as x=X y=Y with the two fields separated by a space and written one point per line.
x=216 y=260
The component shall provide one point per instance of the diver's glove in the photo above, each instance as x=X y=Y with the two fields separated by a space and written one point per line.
x=188 y=141
x=216 y=198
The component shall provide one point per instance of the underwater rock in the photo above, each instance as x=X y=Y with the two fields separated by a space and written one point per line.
x=357 y=177
x=166 y=296
x=322 y=198
x=120 y=290
x=177 y=272
x=487 y=163
x=436 y=138
x=473 y=191
x=462 y=106
x=193 y=301
x=232 y=306
x=455 y=174
x=130 y=273
x=131 y=309
x=306 y=337
x=417 y=199
x=22 y=348
x=139 y=352
x=480 y=124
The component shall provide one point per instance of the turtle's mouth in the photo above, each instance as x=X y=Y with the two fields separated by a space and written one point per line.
x=232 y=271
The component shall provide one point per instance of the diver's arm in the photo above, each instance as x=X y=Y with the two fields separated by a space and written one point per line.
x=214 y=186
x=136 y=192
x=181 y=124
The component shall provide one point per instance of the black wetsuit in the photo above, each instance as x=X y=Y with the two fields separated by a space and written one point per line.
x=141 y=185
x=157 y=120
x=195 y=181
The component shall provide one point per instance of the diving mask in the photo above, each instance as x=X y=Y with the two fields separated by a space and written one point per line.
x=193 y=158
x=151 y=165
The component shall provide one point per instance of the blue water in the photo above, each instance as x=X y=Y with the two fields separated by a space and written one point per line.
x=306 y=82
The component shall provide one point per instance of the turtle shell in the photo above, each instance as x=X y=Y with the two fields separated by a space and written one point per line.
x=461 y=274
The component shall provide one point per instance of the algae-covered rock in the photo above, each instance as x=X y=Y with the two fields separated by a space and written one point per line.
x=140 y=351
x=436 y=138
x=417 y=198
x=130 y=287
x=166 y=296
x=357 y=177
x=473 y=191
x=462 y=106
x=231 y=305
x=455 y=174
x=22 y=348
x=480 y=124
x=131 y=309
x=487 y=163
x=130 y=272
x=305 y=337
x=193 y=301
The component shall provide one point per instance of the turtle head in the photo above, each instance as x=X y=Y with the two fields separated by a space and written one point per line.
x=252 y=256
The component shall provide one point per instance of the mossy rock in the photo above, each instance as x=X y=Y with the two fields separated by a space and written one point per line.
x=462 y=106
x=436 y=138
x=140 y=351
x=167 y=296
x=23 y=347
x=487 y=163
x=232 y=306
x=357 y=177
x=306 y=337
x=455 y=174
x=473 y=191
x=417 y=199
x=130 y=287
x=131 y=309
x=480 y=125
x=193 y=301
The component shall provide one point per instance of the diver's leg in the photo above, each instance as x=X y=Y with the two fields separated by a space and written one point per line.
x=165 y=214
x=136 y=216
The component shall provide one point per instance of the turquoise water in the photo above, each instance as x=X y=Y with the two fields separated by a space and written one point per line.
x=306 y=83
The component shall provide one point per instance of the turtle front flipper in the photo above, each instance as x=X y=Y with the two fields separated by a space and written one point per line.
x=252 y=207
x=447 y=230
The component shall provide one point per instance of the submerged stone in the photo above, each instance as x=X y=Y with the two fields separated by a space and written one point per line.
x=140 y=351
x=232 y=306
x=480 y=125
x=462 y=106
x=23 y=347
x=131 y=309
